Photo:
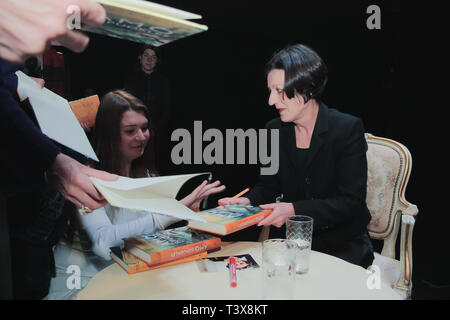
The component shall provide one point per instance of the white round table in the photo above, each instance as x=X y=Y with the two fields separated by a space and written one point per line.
x=328 y=278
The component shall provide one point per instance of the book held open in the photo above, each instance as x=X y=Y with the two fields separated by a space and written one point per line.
x=153 y=194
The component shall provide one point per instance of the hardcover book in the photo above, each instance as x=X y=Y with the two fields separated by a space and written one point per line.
x=172 y=244
x=146 y=22
x=86 y=109
x=133 y=265
x=228 y=219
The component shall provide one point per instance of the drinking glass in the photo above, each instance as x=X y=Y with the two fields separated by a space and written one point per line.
x=278 y=266
x=299 y=228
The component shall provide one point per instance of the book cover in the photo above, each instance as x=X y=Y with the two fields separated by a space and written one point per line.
x=228 y=219
x=153 y=194
x=86 y=109
x=133 y=265
x=146 y=22
x=172 y=244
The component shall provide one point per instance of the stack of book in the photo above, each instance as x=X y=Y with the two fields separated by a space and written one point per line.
x=167 y=247
x=164 y=248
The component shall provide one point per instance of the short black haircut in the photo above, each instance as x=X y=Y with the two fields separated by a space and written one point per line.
x=304 y=71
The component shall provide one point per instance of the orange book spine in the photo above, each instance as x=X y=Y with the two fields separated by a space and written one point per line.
x=240 y=224
x=141 y=267
x=184 y=251
x=247 y=222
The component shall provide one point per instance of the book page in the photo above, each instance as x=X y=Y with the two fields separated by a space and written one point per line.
x=54 y=115
x=152 y=7
x=153 y=194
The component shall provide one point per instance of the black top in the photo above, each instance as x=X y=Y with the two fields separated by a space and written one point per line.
x=300 y=165
x=327 y=182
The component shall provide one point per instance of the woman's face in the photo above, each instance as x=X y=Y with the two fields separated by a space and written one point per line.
x=148 y=60
x=289 y=109
x=134 y=135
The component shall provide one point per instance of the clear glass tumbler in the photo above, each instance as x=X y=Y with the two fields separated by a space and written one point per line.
x=299 y=228
x=278 y=266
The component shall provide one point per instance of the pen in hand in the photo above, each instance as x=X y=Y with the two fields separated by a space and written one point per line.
x=238 y=195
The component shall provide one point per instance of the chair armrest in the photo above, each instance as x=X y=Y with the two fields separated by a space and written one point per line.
x=404 y=282
x=411 y=210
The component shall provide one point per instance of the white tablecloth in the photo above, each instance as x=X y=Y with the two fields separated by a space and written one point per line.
x=328 y=278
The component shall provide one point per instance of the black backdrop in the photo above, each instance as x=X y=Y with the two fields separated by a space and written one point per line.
x=394 y=79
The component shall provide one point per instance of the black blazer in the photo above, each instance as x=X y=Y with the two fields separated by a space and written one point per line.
x=332 y=188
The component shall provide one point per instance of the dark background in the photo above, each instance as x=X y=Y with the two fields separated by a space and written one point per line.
x=394 y=79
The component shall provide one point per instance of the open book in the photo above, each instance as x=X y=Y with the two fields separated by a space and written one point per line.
x=153 y=194
x=54 y=116
x=146 y=22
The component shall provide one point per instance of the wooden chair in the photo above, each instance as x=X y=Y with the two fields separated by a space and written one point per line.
x=389 y=167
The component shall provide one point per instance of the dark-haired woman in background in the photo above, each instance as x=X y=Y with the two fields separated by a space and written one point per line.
x=323 y=165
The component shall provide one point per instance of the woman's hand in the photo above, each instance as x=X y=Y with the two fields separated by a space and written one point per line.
x=228 y=201
x=201 y=192
x=281 y=211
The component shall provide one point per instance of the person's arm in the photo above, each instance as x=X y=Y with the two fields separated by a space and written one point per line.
x=104 y=234
x=27 y=27
x=26 y=154
x=24 y=151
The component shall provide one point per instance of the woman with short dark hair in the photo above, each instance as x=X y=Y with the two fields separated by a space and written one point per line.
x=323 y=166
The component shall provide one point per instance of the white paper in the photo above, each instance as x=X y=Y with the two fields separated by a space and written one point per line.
x=54 y=115
x=154 y=194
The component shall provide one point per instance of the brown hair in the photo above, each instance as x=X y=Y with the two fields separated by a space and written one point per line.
x=106 y=134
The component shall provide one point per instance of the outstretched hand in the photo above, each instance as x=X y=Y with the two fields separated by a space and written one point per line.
x=71 y=179
x=194 y=199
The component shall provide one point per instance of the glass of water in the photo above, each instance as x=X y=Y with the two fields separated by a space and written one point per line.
x=299 y=228
x=278 y=266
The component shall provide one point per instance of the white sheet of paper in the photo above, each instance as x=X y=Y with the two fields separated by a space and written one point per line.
x=154 y=194
x=55 y=117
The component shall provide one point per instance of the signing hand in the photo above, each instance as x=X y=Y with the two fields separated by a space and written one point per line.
x=228 y=201
x=28 y=27
x=201 y=192
x=71 y=179
x=281 y=211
